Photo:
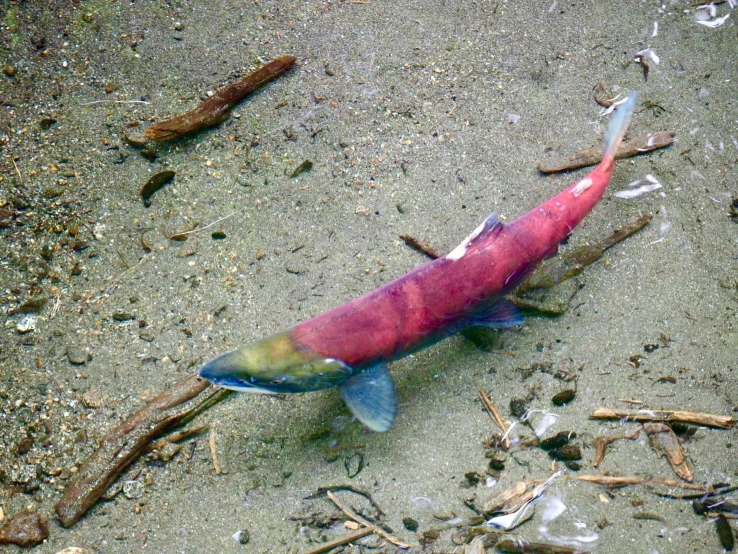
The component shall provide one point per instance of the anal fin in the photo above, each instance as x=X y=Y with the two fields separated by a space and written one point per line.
x=370 y=395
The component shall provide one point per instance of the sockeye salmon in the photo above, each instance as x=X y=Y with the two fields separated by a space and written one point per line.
x=349 y=346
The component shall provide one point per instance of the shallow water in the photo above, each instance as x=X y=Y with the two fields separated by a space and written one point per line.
x=419 y=118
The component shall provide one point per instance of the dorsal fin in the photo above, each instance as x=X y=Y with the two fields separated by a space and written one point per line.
x=482 y=233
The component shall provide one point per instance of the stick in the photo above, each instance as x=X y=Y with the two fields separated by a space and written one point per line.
x=126 y=442
x=495 y=415
x=593 y=156
x=611 y=481
x=698 y=418
x=214 y=450
x=330 y=545
x=358 y=519
x=216 y=109
x=571 y=264
x=601 y=444
x=421 y=247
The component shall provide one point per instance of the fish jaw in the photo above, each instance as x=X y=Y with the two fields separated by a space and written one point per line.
x=275 y=365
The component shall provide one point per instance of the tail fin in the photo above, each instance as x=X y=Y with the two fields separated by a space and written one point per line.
x=619 y=124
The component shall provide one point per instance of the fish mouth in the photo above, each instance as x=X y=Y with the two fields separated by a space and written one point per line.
x=220 y=371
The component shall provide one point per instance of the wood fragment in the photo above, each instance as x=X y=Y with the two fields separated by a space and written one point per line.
x=664 y=441
x=601 y=96
x=178 y=436
x=335 y=543
x=358 y=519
x=126 y=442
x=216 y=109
x=502 y=502
x=155 y=183
x=421 y=247
x=495 y=415
x=528 y=547
x=214 y=450
x=613 y=481
x=593 y=155
x=559 y=269
x=665 y=416
x=601 y=444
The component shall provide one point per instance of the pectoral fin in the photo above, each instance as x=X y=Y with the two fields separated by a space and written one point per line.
x=500 y=315
x=370 y=395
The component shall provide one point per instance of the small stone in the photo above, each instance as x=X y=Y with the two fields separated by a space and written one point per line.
x=410 y=524
x=23 y=446
x=26 y=325
x=24 y=529
x=179 y=26
x=10 y=70
x=134 y=139
x=123 y=316
x=77 y=355
x=75 y=550
x=241 y=537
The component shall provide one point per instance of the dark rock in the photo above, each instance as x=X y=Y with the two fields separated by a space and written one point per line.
x=24 y=529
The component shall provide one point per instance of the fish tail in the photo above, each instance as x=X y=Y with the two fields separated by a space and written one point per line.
x=619 y=125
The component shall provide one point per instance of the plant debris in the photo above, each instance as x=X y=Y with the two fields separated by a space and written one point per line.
x=216 y=109
x=126 y=442
x=526 y=547
x=155 y=183
x=664 y=441
x=666 y=416
x=601 y=444
x=593 y=155
x=307 y=165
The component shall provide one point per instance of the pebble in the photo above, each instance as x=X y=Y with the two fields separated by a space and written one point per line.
x=10 y=70
x=75 y=550
x=26 y=325
x=77 y=355
x=123 y=316
x=241 y=537
x=24 y=529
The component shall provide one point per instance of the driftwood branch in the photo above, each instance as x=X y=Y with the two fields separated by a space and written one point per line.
x=129 y=440
x=593 y=156
x=217 y=108
x=666 y=416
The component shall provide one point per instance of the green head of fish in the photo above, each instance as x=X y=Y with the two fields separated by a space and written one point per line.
x=274 y=365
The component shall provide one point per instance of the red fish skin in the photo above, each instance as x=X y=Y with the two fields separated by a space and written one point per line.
x=436 y=299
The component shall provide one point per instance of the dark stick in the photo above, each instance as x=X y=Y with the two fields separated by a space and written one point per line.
x=124 y=444
x=216 y=109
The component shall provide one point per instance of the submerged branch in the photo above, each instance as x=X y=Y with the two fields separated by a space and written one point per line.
x=216 y=109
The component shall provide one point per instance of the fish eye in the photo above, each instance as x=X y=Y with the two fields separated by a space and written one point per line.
x=277 y=381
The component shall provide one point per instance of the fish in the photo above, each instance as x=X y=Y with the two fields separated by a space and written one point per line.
x=350 y=346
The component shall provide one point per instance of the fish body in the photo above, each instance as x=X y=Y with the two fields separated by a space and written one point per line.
x=350 y=345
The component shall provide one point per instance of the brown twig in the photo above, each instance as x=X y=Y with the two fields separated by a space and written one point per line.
x=214 y=450
x=666 y=416
x=348 y=539
x=216 y=109
x=528 y=547
x=612 y=481
x=556 y=270
x=358 y=519
x=495 y=415
x=601 y=444
x=126 y=442
x=421 y=247
x=593 y=155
